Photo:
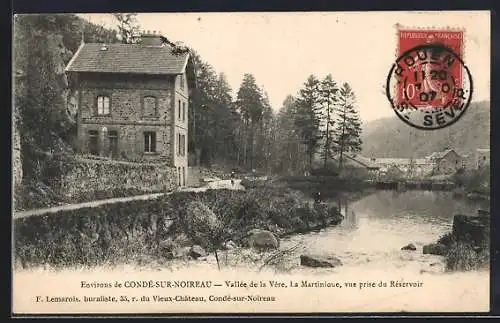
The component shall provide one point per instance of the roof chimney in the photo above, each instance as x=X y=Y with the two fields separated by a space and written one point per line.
x=151 y=38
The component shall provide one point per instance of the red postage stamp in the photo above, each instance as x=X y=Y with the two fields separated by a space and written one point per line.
x=411 y=38
x=429 y=86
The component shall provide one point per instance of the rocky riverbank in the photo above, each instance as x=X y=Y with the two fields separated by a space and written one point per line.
x=163 y=228
x=466 y=247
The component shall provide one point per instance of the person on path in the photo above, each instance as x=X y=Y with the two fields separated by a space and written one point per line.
x=232 y=177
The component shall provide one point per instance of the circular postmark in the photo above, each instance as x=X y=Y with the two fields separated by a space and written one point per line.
x=429 y=87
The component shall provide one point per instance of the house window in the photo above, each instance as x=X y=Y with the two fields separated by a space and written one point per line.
x=179 y=110
x=113 y=143
x=183 y=111
x=181 y=80
x=184 y=176
x=103 y=105
x=149 y=106
x=178 y=144
x=184 y=146
x=150 y=142
x=181 y=145
x=93 y=142
x=179 y=176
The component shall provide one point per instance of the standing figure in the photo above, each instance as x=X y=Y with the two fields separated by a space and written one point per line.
x=232 y=177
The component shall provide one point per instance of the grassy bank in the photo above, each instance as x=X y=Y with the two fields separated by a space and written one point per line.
x=136 y=231
x=464 y=255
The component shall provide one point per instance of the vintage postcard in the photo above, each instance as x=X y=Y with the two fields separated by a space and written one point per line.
x=263 y=162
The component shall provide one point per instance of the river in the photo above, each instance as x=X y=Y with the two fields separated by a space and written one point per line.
x=376 y=226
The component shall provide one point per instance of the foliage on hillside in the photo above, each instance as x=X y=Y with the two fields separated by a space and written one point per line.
x=389 y=137
x=42 y=46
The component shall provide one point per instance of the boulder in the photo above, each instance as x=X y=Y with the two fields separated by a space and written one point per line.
x=319 y=261
x=196 y=252
x=181 y=252
x=262 y=240
x=435 y=249
x=410 y=246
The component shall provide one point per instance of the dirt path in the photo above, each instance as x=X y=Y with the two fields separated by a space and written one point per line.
x=222 y=184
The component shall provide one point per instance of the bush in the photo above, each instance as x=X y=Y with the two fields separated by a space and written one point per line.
x=463 y=257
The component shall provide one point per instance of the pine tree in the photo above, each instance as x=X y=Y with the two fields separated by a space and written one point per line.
x=347 y=131
x=289 y=151
x=328 y=99
x=249 y=102
x=307 y=119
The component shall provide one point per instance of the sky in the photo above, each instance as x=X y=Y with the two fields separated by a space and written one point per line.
x=281 y=49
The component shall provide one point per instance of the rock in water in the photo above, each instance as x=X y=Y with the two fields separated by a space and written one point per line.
x=410 y=246
x=262 y=240
x=319 y=261
x=435 y=249
x=197 y=252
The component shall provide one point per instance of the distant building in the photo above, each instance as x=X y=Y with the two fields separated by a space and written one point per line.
x=446 y=162
x=357 y=165
x=394 y=172
x=482 y=158
x=404 y=167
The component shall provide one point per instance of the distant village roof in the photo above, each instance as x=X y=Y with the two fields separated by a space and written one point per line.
x=400 y=161
x=127 y=58
x=441 y=154
x=358 y=160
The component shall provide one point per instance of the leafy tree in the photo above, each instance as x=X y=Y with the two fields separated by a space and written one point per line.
x=127 y=27
x=347 y=130
x=307 y=119
x=328 y=98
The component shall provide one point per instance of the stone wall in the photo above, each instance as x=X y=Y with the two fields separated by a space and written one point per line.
x=88 y=177
x=127 y=116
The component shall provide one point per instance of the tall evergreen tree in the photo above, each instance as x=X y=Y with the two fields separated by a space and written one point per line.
x=328 y=99
x=249 y=103
x=289 y=149
x=348 y=124
x=213 y=116
x=307 y=118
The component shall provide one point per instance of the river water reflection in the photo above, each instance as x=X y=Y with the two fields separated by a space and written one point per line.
x=376 y=226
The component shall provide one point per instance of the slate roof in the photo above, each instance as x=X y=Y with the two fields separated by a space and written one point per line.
x=441 y=154
x=127 y=58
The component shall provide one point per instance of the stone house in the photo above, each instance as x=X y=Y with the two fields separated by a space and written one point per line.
x=133 y=101
x=447 y=162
